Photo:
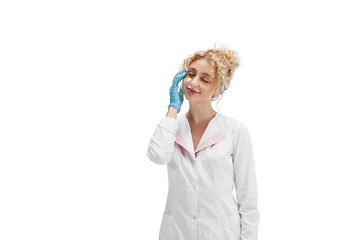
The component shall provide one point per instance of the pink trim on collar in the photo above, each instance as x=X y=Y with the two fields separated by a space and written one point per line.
x=211 y=141
x=179 y=140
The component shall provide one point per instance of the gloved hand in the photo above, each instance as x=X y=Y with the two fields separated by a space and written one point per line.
x=177 y=98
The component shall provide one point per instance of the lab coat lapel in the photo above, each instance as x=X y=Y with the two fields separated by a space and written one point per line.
x=210 y=141
x=211 y=136
x=183 y=136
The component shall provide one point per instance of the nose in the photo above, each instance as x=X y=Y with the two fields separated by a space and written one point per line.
x=195 y=81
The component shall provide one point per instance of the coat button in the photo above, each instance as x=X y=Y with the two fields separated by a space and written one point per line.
x=194 y=217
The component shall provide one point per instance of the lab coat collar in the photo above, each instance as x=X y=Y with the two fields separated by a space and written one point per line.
x=211 y=136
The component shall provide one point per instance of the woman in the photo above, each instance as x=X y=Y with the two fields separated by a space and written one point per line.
x=207 y=155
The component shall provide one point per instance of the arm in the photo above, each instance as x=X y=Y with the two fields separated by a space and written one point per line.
x=161 y=144
x=245 y=183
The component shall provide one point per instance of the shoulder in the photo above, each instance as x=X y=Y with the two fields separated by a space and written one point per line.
x=239 y=132
x=181 y=118
x=228 y=121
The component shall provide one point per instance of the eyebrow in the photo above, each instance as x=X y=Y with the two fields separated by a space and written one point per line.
x=202 y=73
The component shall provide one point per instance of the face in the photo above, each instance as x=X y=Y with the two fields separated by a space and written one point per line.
x=199 y=84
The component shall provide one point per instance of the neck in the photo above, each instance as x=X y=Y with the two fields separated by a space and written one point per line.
x=199 y=113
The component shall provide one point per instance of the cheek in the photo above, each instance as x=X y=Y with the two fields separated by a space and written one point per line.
x=184 y=85
x=185 y=82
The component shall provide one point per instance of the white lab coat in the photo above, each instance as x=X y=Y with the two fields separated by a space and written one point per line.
x=200 y=204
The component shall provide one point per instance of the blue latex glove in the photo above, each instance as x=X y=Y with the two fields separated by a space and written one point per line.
x=177 y=98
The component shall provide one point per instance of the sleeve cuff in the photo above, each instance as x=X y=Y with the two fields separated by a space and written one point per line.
x=169 y=124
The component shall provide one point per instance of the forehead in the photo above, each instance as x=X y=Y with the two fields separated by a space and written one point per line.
x=202 y=66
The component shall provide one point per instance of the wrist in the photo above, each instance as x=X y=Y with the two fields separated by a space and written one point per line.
x=172 y=112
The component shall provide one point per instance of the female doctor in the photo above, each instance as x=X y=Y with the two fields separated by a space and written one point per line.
x=207 y=156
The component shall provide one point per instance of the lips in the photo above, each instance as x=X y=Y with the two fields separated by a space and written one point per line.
x=192 y=90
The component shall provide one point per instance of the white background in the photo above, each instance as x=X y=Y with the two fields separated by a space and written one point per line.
x=84 y=84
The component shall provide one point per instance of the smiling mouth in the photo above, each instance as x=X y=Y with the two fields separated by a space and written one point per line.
x=192 y=92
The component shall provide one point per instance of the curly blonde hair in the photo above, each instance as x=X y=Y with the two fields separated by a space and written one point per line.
x=224 y=61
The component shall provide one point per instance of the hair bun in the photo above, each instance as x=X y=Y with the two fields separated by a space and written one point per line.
x=231 y=57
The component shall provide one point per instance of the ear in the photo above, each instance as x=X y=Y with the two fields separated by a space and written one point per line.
x=217 y=92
